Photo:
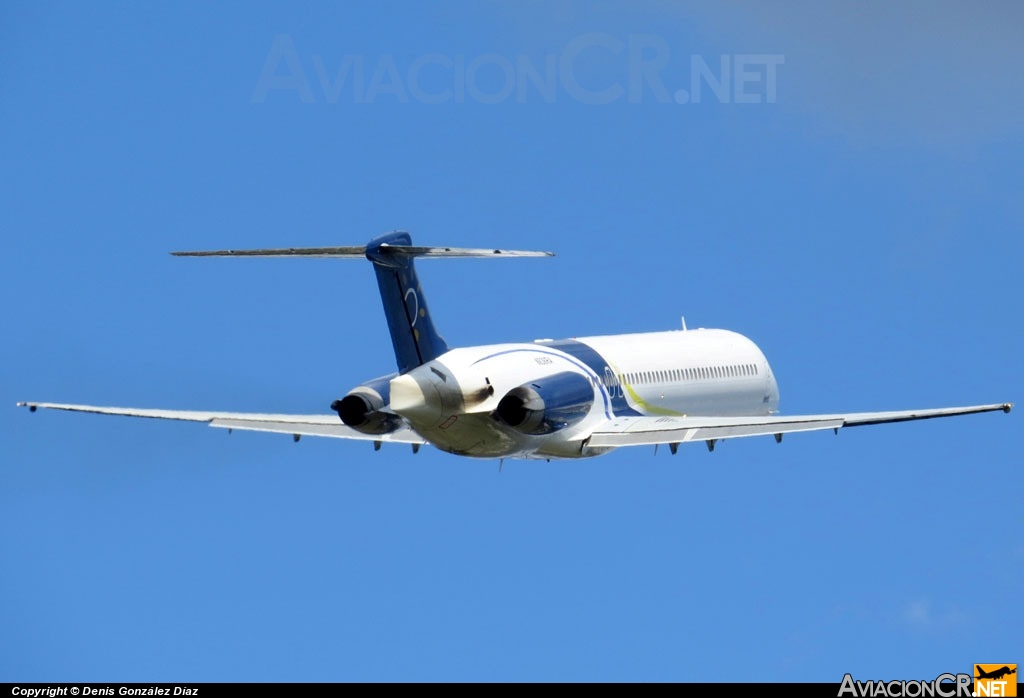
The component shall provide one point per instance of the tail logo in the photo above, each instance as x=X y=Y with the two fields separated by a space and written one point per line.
x=415 y=314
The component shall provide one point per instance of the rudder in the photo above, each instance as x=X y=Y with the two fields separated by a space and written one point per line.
x=413 y=335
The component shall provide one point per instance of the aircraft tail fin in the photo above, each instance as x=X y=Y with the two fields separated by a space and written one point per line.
x=413 y=335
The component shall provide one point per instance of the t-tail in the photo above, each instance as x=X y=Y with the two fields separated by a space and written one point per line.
x=413 y=335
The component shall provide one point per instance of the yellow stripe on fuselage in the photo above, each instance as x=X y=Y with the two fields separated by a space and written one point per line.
x=640 y=402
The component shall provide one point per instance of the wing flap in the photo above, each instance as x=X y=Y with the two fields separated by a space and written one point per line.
x=335 y=430
x=641 y=431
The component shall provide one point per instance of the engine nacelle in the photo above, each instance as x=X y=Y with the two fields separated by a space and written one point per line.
x=547 y=404
x=362 y=407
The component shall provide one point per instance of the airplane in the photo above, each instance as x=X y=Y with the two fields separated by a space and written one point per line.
x=995 y=674
x=546 y=399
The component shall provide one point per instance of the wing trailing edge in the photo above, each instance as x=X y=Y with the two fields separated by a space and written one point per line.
x=640 y=431
x=295 y=424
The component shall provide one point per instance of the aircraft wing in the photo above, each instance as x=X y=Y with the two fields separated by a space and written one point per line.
x=294 y=424
x=639 y=431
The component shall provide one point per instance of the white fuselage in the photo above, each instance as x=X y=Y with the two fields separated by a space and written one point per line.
x=452 y=400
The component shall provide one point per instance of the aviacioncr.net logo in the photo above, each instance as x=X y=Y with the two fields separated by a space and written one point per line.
x=995 y=680
x=943 y=686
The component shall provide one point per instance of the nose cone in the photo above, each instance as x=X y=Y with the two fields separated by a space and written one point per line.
x=407 y=395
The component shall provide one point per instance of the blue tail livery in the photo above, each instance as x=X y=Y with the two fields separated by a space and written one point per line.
x=413 y=335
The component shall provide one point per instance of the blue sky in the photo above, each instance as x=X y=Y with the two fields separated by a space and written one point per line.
x=863 y=227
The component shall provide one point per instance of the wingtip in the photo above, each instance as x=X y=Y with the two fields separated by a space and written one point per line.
x=1007 y=406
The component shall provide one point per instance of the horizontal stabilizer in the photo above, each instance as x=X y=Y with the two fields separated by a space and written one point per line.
x=415 y=251
x=413 y=334
x=356 y=252
x=359 y=252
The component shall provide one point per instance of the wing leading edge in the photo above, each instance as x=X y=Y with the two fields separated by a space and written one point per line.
x=295 y=424
x=621 y=431
x=641 y=431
